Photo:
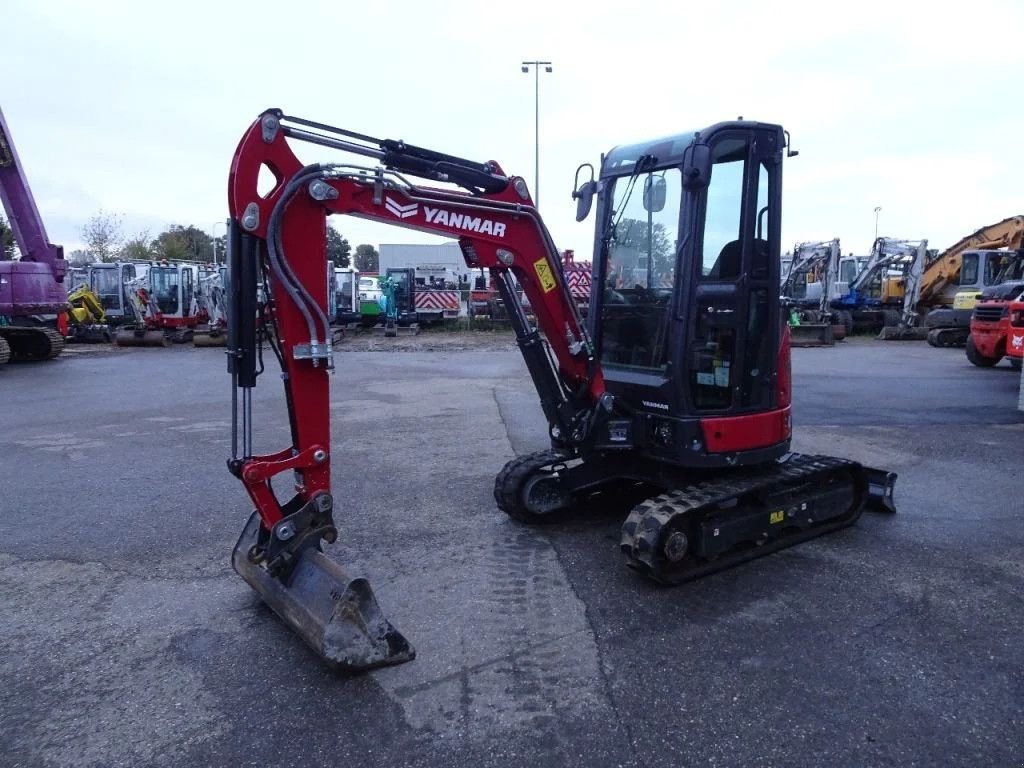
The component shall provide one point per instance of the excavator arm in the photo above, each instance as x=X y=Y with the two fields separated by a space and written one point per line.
x=945 y=268
x=85 y=306
x=279 y=237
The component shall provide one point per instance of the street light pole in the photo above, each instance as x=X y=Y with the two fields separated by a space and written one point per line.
x=536 y=122
x=214 y=231
x=877 y=209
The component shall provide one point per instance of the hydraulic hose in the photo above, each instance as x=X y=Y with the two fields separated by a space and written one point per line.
x=279 y=263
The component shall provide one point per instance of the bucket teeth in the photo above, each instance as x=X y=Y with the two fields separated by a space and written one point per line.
x=336 y=615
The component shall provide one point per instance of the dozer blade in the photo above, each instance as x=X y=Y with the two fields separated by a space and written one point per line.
x=902 y=333
x=128 y=337
x=881 y=484
x=207 y=339
x=811 y=335
x=336 y=615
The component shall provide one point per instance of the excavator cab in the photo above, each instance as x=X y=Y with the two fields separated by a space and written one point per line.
x=684 y=313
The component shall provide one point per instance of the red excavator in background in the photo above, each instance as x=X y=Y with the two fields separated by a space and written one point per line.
x=164 y=304
x=674 y=400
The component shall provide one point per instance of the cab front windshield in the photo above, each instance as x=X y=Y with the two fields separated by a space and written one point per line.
x=104 y=283
x=163 y=283
x=639 y=272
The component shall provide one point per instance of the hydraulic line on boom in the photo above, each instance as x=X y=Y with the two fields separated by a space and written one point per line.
x=674 y=399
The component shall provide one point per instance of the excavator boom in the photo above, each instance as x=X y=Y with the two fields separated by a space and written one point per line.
x=280 y=237
x=945 y=268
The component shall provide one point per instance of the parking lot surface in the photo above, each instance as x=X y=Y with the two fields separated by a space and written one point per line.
x=128 y=640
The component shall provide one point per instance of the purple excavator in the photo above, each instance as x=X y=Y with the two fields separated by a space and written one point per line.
x=32 y=288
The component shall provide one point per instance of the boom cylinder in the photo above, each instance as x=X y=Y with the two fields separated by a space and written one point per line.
x=535 y=354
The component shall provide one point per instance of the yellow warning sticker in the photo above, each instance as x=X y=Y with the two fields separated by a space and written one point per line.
x=543 y=270
x=776 y=517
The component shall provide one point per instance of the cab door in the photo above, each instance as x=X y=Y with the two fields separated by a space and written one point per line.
x=187 y=291
x=731 y=308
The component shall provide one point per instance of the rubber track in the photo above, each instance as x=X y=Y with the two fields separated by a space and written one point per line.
x=54 y=343
x=5 y=351
x=508 y=485
x=643 y=528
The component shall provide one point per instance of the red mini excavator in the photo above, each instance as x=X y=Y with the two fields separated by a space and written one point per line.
x=673 y=400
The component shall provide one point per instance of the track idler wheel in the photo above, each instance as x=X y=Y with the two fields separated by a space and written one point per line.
x=528 y=488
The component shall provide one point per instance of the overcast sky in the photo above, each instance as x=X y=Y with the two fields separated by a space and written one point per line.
x=136 y=108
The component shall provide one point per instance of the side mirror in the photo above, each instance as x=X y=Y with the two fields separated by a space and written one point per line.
x=584 y=193
x=654 y=193
x=696 y=165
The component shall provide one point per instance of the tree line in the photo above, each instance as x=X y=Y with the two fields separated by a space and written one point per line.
x=105 y=240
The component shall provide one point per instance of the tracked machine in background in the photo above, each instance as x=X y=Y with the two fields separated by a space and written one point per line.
x=807 y=286
x=33 y=287
x=164 y=305
x=674 y=399
x=87 y=321
x=211 y=308
x=954 y=281
x=877 y=295
x=110 y=281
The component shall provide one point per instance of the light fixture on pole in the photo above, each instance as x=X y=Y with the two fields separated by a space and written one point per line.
x=214 y=231
x=877 y=209
x=536 y=122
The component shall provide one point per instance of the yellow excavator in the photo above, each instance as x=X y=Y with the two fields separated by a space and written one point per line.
x=87 y=321
x=952 y=282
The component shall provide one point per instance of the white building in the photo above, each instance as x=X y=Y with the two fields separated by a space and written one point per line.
x=443 y=261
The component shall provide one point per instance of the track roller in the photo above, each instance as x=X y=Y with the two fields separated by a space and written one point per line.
x=688 y=533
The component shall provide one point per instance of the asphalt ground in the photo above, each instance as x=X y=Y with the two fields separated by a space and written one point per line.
x=127 y=640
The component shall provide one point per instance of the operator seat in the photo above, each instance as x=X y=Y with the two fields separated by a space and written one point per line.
x=730 y=261
x=727 y=265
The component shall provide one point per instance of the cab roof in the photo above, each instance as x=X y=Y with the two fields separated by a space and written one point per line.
x=668 y=150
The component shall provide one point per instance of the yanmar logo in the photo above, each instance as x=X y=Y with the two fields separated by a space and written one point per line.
x=463 y=221
x=1017 y=342
x=660 y=406
x=399 y=210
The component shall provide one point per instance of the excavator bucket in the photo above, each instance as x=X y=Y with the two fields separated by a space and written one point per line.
x=130 y=337
x=811 y=335
x=337 y=615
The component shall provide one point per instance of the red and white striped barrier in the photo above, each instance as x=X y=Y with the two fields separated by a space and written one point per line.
x=446 y=302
